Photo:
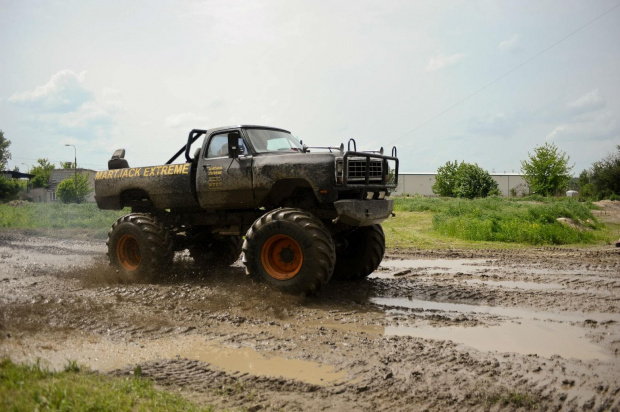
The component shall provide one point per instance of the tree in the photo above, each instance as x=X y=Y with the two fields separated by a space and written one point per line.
x=583 y=179
x=547 y=171
x=66 y=165
x=5 y=155
x=66 y=189
x=464 y=180
x=605 y=174
x=8 y=188
x=446 y=179
x=41 y=173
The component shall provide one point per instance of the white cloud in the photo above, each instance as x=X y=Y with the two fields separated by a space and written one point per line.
x=186 y=120
x=510 y=45
x=441 y=61
x=498 y=124
x=589 y=102
x=603 y=126
x=64 y=92
x=64 y=106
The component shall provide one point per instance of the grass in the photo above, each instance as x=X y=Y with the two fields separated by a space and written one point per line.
x=441 y=222
x=31 y=387
x=421 y=222
x=57 y=217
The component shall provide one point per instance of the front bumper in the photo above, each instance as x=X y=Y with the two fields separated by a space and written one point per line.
x=363 y=212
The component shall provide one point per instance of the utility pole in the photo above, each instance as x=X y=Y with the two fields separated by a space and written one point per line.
x=75 y=170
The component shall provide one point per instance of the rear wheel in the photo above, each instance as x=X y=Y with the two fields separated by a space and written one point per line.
x=139 y=245
x=361 y=253
x=289 y=249
x=217 y=251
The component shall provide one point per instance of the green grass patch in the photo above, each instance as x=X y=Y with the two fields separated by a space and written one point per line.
x=31 y=387
x=58 y=216
x=527 y=221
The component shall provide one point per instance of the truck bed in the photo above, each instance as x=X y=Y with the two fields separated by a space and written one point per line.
x=166 y=186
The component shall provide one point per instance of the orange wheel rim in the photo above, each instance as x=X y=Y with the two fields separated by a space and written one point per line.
x=128 y=252
x=282 y=257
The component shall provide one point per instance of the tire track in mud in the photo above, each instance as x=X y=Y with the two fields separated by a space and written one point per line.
x=344 y=328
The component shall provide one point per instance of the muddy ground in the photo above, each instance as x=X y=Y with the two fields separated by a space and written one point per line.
x=431 y=330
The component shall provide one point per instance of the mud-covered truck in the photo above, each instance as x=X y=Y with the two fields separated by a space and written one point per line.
x=298 y=215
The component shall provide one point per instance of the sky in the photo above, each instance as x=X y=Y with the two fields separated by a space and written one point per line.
x=478 y=81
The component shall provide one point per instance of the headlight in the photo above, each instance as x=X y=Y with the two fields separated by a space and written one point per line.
x=339 y=167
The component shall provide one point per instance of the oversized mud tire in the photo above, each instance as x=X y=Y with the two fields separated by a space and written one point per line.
x=139 y=245
x=217 y=251
x=289 y=249
x=362 y=254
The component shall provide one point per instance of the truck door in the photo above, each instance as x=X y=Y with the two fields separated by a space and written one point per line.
x=223 y=181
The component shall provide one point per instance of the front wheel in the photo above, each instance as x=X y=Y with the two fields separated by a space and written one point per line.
x=361 y=252
x=139 y=245
x=289 y=249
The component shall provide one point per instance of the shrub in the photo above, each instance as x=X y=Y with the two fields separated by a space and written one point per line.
x=8 y=188
x=66 y=190
x=464 y=180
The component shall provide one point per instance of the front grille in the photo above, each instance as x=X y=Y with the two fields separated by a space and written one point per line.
x=357 y=170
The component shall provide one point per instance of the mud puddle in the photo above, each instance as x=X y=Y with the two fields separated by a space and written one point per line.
x=527 y=332
x=529 y=337
x=435 y=266
x=514 y=284
x=475 y=266
x=428 y=305
x=106 y=356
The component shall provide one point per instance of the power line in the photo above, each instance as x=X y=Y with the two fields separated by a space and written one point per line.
x=505 y=74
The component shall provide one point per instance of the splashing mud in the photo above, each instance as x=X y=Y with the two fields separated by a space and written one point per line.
x=430 y=330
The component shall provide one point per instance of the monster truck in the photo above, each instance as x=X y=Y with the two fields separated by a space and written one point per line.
x=296 y=214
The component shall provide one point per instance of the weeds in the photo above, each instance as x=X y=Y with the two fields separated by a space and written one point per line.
x=59 y=216
x=531 y=220
x=31 y=387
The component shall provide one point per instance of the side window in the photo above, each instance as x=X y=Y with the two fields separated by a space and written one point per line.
x=218 y=146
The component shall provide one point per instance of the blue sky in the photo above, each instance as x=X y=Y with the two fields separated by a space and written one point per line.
x=109 y=74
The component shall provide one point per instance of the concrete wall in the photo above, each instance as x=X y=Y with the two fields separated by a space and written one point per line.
x=422 y=183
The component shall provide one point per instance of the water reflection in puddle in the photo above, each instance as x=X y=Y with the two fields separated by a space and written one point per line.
x=542 y=333
x=515 y=284
x=439 y=265
x=529 y=337
x=493 y=310
x=104 y=355
x=453 y=266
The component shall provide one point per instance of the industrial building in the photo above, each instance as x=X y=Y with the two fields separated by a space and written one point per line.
x=510 y=184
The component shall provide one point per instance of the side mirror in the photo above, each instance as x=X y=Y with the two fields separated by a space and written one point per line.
x=233 y=144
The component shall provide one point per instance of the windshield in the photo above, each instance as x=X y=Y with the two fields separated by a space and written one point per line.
x=265 y=140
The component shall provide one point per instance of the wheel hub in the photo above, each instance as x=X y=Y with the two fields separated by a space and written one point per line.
x=282 y=257
x=128 y=252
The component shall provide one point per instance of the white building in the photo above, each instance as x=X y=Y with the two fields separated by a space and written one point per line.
x=510 y=184
x=48 y=195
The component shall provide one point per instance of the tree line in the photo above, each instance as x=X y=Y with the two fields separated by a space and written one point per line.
x=73 y=189
x=546 y=171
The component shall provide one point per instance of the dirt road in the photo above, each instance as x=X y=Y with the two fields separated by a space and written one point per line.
x=456 y=329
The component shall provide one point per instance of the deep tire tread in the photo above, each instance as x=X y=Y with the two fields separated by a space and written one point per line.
x=364 y=254
x=322 y=247
x=156 y=241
